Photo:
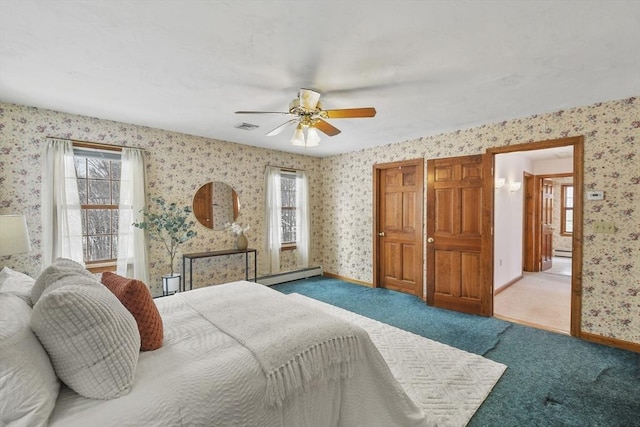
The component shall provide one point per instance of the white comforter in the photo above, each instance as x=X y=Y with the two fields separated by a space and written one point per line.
x=202 y=376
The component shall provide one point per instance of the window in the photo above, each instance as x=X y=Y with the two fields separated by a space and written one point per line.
x=98 y=178
x=287 y=219
x=566 y=210
x=288 y=212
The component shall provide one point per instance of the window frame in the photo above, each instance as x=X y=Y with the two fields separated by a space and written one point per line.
x=564 y=208
x=110 y=264
x=287 y=246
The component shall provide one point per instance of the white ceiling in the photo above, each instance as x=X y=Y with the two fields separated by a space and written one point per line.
x=427 y=66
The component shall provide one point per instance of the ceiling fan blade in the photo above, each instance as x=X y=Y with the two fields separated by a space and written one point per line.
x=282 y=127
x=348 y=113
x=309 y=99
x=262 y=112
x=326 y=128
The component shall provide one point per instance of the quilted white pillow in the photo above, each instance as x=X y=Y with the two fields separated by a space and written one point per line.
x=14 y=282
x=59 y=268
x=92 y=339
x=28 y=385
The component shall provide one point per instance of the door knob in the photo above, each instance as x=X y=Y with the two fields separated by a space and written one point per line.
x=381 y=234
x=430 y=240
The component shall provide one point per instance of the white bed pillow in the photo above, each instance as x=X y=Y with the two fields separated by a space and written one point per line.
x=91 y=338
x=28 y=385
x=58 y=269
x=14 y=282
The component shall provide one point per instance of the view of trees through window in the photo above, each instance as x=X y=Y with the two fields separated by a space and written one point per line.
x=288 y=197
x=99 y=190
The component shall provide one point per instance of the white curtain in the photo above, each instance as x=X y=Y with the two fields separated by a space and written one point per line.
x=132 y=247
x=272 y=219
x=61 y=216
x=302 y=219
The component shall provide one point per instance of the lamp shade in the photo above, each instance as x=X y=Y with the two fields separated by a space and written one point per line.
x=298 y=137
x=313 y=139
x=14 y=236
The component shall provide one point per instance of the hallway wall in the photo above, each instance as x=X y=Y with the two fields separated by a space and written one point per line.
x=508 y=218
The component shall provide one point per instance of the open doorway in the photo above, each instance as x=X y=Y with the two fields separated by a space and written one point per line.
x=540 y=295
x=535 y=281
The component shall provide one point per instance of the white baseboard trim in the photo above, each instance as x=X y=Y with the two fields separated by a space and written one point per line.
x=563 y=253
x=288 y=276
x=498 y=289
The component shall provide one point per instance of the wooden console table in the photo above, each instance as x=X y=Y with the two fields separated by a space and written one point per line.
x=212 y=254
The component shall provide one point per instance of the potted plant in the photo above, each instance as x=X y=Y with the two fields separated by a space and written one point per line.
x=170 y=225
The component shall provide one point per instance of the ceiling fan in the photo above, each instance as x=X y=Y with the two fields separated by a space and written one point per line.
x=310 y=117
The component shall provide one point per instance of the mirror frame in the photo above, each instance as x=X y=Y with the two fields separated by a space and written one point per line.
x=204 y=206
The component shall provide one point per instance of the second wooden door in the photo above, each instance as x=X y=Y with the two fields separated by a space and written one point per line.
x=456 y=270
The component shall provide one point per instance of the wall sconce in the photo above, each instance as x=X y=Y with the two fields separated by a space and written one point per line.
x=499 y=183
x=514 y=186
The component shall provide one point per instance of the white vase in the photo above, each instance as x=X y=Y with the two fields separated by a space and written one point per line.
x=242 y=242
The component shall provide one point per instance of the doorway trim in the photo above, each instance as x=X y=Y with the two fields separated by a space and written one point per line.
x=578 y=179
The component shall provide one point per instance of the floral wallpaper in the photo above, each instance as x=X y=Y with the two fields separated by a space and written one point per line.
x=611 y=288
x=341 y=188
x=176 y=166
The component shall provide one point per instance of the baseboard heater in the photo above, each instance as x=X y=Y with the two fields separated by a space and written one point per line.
x=288 y=276
x=563 y=253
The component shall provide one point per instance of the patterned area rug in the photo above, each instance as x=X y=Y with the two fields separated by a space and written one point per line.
x=447 y=383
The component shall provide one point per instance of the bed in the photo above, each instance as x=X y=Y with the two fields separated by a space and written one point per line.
x=241 y=354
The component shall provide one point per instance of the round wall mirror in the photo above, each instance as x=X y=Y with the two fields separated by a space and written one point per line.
x=216 y=204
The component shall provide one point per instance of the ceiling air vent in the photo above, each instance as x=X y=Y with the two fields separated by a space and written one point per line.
x=246 y=126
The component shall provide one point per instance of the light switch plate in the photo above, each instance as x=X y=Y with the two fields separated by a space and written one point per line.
x=604 y=227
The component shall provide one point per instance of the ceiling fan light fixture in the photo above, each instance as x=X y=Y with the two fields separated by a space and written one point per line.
x=307 y=111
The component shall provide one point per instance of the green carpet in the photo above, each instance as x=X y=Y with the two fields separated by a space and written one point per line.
x=551 y=379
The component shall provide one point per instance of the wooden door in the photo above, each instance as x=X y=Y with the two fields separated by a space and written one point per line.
x=546 y=224
x=398 y=225
x=456 y=271
x=529 y=254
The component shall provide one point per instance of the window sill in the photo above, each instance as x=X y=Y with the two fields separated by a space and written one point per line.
x=101 y=267
x=288 y=247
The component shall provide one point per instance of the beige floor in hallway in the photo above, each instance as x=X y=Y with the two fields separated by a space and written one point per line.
x=541 y=300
